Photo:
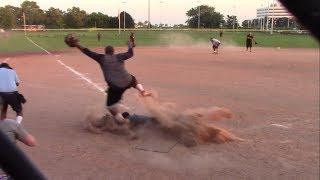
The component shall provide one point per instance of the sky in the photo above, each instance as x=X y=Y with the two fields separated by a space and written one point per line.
x=162 y=11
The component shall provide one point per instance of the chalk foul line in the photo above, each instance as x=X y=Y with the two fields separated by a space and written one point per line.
x=77 y=73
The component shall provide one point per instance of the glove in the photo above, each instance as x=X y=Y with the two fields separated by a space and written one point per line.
x=71 y=40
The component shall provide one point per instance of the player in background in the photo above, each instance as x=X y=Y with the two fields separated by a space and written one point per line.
x=215 y=45
x=249 y=40
x=99 y=36
x=132 y=39
x=221 y=33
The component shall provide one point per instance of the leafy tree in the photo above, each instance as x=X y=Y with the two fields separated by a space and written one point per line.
x=98 y=20
x=112 y=22
x=7 y=18
x=209 y=18
x=74 y=18
x=140 y=24
x=245 y=23
x=34 y=15
x=11 y=16
x=232 y=22
x=54 y=18
x=128 y=18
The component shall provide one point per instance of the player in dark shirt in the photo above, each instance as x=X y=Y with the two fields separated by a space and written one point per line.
x=221 y=34
x=132 y=39
x=116 y=76
x=249 y=40
x=99 y=36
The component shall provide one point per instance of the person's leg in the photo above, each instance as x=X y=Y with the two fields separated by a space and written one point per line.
x=113 y=100
x=4 y=111
x=139 y=87
x=16 y=105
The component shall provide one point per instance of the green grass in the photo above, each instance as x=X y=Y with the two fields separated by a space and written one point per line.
x=53 y=40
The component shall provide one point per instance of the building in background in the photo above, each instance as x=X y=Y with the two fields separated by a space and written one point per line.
x=274 y=13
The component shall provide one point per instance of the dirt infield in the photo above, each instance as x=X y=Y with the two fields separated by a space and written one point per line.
x=273 y=93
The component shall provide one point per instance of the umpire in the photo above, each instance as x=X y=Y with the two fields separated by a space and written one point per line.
x=9 y=93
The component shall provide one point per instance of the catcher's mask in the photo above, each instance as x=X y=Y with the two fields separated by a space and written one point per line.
x=109 y=50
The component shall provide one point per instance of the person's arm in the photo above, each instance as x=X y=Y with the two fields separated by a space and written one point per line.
x=96 y=56
x=15 y=163
x=16 y=78
x=126 y=55
x=23 y=136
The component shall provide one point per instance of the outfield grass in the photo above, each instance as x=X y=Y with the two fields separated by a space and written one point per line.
x=53 y=40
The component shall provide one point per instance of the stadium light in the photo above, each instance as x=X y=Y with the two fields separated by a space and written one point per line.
x=161 y=7
x=199 y=14
x=24 y=23
x=272 y=19
x=149 y=23
x=234 y=17
x=124 y=15
x=268 y=11
x=119 y=21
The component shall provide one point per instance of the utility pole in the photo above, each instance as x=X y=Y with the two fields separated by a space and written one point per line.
x=272 y=19
x=24 y=23
x=234 y=16
x=124 y=15
x=149 y=24
x=124 y=20
x=199 y=17
x=161 y=7
x=233 y=19
x=119 y=21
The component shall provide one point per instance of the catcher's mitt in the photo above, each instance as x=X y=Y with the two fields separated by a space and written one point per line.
x=71 y=40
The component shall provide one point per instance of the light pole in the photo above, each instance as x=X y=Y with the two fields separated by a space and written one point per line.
x=199 y=14
x=261 y=12
x=268 y=12
x=119 y=21
x=149 y=24
x=272 y=19
x=161 y=7
x=24 y=23
x=234 y=17
x=124 y=15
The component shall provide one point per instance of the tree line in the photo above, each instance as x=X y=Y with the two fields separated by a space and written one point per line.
x=11 y=17
x=55 y=18
x=210 y=18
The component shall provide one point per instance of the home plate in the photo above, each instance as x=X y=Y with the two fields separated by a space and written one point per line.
x=156 y=142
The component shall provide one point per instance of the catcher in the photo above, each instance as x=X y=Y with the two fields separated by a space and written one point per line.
x=115 y=74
